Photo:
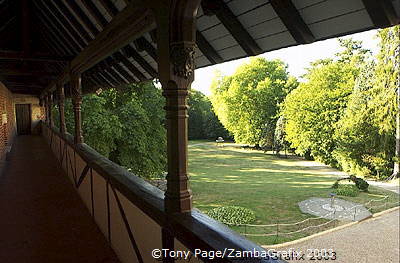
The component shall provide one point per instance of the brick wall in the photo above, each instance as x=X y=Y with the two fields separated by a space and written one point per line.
x=7 y=119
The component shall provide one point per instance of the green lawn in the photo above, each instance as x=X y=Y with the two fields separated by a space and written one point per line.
x=269 y=185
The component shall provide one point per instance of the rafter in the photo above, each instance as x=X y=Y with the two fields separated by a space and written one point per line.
x=132 y=22
x=94 y=12
x=208 y=51
x=130 y=66
x=72 y=20
x=19 y=55
x=293 y=21
x=131 y=52
x=232 y=24
x=82 y=16
x=142 y=44
x=58 y=30
x=24 y=72
x=49 y=6
x=381 y=12
x=7 y=24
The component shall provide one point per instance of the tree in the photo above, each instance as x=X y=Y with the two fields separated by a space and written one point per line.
x=313 y=109
x=199 y=106
x=385 y=105
x=127 y=126
x=247 y=102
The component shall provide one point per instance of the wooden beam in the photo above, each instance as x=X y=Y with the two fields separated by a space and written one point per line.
x=57 y=29
x=293 y=21
x=142 y=44
x=117 y=67
x=55 y=38
x=82 y=16
x=18 y=55
x=381 y=12
x=109 y=7
x=23 y=72
x=130 y=66
x=132 y=22
x=6 y=24
x=73 y=21
x=95 y=13
x=232 y=24
x=131 y=52
x=208 y=51
x=25 y=26
x=49 y=6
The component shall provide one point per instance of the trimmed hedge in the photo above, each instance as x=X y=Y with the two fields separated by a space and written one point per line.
x=232 y=215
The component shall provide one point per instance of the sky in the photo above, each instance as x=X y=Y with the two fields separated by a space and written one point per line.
x=298 y=58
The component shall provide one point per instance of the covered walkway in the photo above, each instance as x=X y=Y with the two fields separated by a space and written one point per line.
x=42 y=218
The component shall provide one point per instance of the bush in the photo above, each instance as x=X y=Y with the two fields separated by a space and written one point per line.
x=361 y=184
x=233 y=215
x=347 y=190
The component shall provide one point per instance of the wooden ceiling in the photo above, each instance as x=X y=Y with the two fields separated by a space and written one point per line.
x=39 y=39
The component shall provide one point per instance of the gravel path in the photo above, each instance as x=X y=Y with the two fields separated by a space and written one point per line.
x=373 y=240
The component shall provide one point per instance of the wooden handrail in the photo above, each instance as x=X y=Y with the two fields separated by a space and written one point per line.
x=194 y=229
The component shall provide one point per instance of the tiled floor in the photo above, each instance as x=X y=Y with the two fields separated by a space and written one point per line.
x=42 y=218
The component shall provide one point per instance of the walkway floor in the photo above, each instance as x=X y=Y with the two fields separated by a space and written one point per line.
x=42 y=218
x=373 y=240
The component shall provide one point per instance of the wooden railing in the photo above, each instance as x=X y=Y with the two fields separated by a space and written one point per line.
x=130 y=211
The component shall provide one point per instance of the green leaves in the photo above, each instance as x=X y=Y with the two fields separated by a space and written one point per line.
x=247 y=102
x=127 y=127
x=232 y=215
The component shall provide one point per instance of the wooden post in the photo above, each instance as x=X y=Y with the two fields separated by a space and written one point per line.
x=50 y=106
x=176 y=45
x=61 y=107
x=46 y=118
x=76 y=90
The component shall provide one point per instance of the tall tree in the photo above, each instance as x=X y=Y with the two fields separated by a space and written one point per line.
x=386 y=90
x=247 y=102
x=314 y=108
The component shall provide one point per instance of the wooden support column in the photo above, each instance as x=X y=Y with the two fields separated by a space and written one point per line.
x=76 y=90
x=176 y=46
x=61 y=107
x=46 y=116
x=50 y=106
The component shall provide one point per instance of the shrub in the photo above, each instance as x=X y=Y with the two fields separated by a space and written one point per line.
x=347 y=190
x=233 y=215
x=361 y=184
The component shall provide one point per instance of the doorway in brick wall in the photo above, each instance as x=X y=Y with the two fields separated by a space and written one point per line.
x=23 y=116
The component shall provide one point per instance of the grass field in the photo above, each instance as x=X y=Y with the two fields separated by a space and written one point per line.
x=269 y=185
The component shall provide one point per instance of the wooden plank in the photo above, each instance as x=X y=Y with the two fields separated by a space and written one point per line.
x=293 y=21
x=82 y=16
x=381 y=12
x=132 y=22
x=73 y=21
x=208 y=51
x=117 y=67
x=130 y=66
x=57 y=29
x=55 y=38
x=7 y=24
x=17 y=55
x=109 y=7
x=75 y=36
x=131 y=52
x=232 y=24
x=25 y=26
x=95 y=13
x=143 y=45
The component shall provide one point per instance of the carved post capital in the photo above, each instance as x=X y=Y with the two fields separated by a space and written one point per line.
x=182 y=59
